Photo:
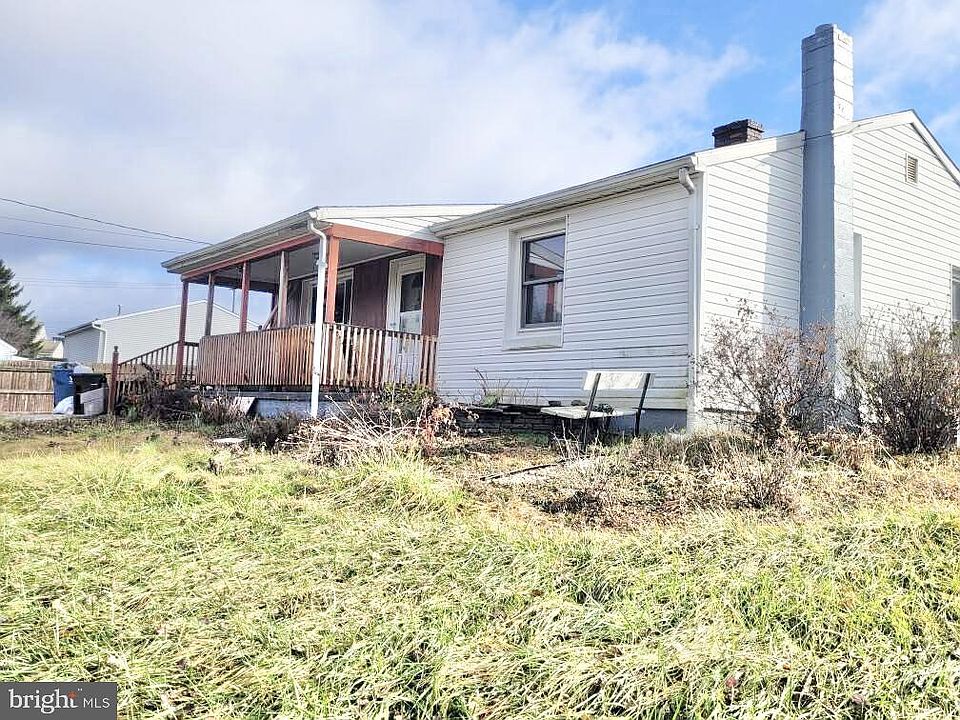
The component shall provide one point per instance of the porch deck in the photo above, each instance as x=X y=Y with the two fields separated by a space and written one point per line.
x=352 y=357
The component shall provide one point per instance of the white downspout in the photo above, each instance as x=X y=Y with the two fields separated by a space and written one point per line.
x=318 y=325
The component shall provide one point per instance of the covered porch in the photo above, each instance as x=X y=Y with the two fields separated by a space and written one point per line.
x=352 y=305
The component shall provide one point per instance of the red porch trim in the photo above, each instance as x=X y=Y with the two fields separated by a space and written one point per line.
x=333 y=265
x=385 y=239
x=268 y=251
x=344 y=232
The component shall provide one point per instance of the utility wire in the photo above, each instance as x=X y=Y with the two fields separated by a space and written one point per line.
x=90 y=242
x=44 y=282
x=80 y=227
x=102 y=222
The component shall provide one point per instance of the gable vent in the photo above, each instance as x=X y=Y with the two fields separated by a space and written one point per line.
x=911 y=169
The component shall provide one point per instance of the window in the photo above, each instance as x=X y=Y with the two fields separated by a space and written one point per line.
x=542 y=281
x=911 y=169
x=344 y=301
x=343 y=304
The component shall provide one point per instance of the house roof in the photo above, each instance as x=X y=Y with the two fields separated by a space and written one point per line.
x=629 y=181
x=908 y=117
x=99 y=323
x=408 y=221
x=5 y=346
x=652 y=175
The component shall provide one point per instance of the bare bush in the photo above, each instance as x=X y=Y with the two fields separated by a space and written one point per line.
x=770 y=377
x=151 y=397
x=377 y=428
x=220 y=410
x=906 y=376
x=270 y=433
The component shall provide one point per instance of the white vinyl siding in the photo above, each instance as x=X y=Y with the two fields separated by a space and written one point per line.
x=84 y=346
x=910 y=231
x=751 y=243
x=139 y=333
x=625 y=305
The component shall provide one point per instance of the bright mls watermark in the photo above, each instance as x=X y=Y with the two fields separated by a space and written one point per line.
x=71 y=701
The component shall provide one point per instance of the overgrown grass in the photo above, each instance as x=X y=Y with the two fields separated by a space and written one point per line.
x=215 y=585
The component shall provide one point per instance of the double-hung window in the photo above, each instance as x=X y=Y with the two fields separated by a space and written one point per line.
x=541 y=284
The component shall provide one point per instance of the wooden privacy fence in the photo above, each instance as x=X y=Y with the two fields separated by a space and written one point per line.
x=351 y=357
x=26 y=387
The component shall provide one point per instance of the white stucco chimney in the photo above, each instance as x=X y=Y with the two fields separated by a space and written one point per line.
x=827 y=263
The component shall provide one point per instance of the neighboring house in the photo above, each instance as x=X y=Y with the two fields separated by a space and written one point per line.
x=839 y=219
x=7 y=351
x=50 y=348
x=140 y=332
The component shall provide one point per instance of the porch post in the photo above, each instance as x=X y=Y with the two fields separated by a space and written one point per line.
x=432 y=272
x=282 y=289
x=333 y=261
x=244 y=296
x=208 y=321
x=182 y=335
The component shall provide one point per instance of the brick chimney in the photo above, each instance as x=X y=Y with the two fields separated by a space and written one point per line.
x=739 y=131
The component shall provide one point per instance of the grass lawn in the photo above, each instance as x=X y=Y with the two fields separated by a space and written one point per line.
x=216 y=585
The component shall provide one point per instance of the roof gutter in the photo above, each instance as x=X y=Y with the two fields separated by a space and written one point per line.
x=239 y=244
x=659 y=174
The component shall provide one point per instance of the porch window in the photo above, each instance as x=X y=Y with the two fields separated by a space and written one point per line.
x=542 y=281
x=343 y=303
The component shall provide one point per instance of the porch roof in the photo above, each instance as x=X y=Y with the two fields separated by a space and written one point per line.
x=397 y=225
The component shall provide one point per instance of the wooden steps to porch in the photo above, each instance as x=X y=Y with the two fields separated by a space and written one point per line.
x=351 y=357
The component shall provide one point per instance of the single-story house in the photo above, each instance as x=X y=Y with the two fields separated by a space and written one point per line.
x=138 y=333
x=50 y=348
x=837 y=219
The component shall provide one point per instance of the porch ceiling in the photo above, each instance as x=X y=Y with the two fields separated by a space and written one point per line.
x=303 y=262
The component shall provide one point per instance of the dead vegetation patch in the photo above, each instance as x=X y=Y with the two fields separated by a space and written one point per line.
x=666 y=478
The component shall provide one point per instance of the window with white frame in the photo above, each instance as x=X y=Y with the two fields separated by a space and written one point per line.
x=541 y=284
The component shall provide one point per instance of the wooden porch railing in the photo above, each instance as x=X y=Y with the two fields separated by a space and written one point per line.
x=352 y=357
x=162 y=361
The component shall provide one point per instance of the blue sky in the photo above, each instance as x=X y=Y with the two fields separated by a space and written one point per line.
x=207 y=119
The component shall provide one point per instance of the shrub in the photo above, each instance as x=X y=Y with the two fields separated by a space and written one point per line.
x=150 y=397
x=905 y=375
x=377 y=427
x=770 y=377
x=270 y=433
x=220 y=410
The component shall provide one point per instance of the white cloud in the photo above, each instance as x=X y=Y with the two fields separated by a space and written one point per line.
x=903 y=45
x=210 y=118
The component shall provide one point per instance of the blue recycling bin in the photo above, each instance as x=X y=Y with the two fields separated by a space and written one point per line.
x=62 y=381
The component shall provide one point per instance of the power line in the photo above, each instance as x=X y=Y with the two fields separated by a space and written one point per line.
x=90 y=242
x=80 y=227
x=102 y=222
x=113 y=284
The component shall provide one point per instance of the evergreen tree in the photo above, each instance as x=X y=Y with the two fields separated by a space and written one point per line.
x=18 y=325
